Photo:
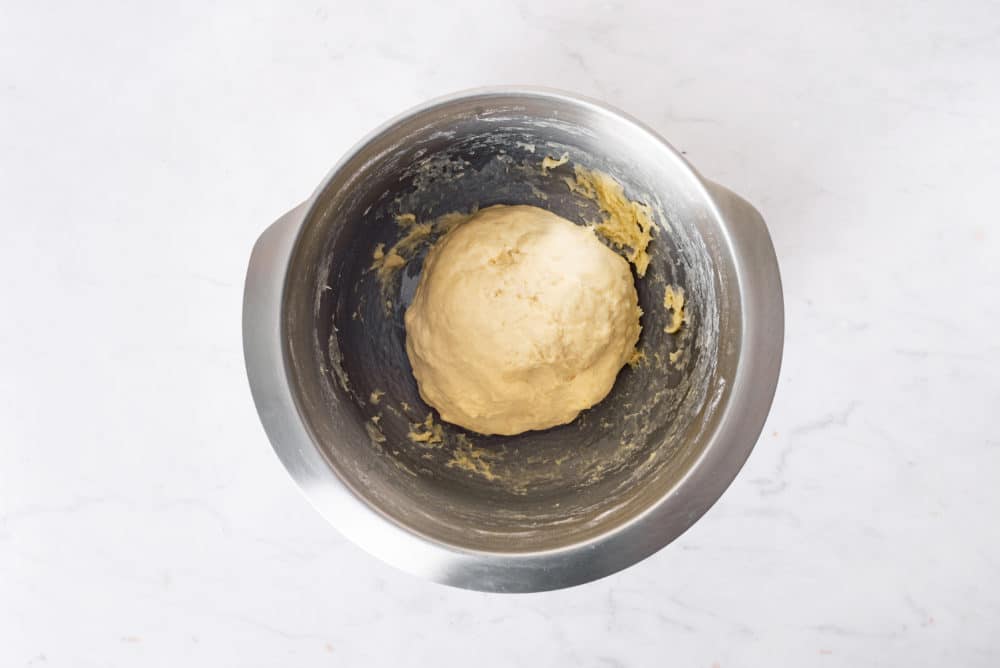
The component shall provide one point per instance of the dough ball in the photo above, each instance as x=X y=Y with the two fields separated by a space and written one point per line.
x=521 y=320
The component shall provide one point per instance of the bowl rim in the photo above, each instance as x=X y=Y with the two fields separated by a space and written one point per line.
x=741 y=420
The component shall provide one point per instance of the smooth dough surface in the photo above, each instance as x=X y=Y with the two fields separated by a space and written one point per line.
x=521 y=320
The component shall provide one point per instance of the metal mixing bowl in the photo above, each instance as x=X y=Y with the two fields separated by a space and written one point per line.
x=540 y=510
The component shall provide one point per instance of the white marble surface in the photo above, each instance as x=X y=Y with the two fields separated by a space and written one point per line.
x=143 y=146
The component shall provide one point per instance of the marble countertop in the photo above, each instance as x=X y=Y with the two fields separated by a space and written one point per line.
x=144 y=519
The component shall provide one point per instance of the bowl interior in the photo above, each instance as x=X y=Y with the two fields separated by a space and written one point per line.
x=344 y=329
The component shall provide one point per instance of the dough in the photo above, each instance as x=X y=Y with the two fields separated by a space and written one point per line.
x=521 y=320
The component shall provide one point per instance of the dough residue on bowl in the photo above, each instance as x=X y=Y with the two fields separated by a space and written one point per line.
x=627 y=224
x=387 y=263
x=468 y=457
x=428 y=431
x=673 y=301
x=548 y=162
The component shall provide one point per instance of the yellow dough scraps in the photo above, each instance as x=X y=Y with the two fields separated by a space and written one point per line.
x=548 y=162
x=521 y=320
x=627 y=224
x=388 y=262
x=637 y=357
x=376 y=396
x=374 y=432
x=427 y=431
x=470 y=458
x=673 y=300
x=674 y=356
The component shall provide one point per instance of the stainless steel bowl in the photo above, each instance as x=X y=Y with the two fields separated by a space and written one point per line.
x=540 y=510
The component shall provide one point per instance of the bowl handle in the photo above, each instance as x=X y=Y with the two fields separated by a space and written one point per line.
x=263 y=351
x=742 y=214
x=763 y=308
